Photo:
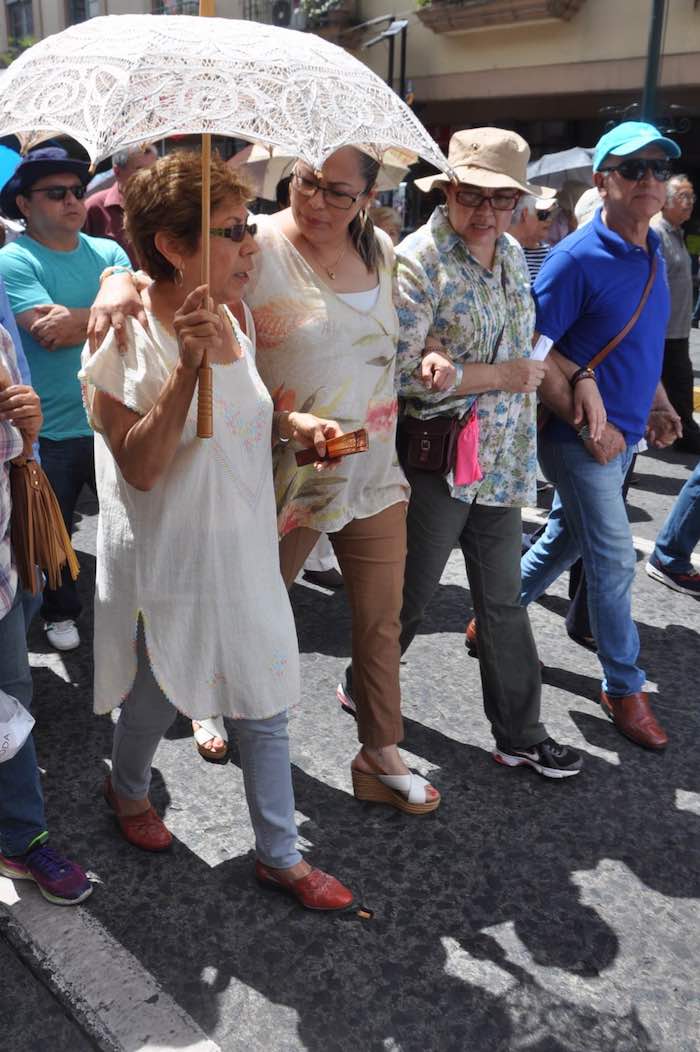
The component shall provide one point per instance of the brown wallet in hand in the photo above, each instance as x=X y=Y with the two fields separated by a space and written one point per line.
x=340 y=446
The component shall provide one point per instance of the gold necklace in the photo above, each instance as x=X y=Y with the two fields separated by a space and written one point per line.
x=330 y=271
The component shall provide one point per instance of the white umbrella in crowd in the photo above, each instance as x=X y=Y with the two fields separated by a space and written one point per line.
x=121 y=80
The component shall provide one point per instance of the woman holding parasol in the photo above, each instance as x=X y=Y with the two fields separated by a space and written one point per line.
x=190 y=610
x=327 y=336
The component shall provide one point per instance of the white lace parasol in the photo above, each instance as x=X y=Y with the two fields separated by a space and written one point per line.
x=124 y=79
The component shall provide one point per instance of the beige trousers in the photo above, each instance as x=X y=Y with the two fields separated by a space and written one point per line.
x=371 y=553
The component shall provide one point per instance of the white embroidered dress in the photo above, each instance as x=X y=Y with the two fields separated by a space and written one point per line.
x=197 y=555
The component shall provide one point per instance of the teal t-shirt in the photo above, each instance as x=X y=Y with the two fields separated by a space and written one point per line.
x=34 y=274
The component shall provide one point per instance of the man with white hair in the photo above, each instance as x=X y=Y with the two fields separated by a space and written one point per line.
x=677 y=372
x=531 y=220
x=105 y=209
x=604 y=289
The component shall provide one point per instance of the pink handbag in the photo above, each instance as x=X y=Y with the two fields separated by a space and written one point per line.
x=467 y=468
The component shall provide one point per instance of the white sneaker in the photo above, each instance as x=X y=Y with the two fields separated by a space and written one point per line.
x=63 y=635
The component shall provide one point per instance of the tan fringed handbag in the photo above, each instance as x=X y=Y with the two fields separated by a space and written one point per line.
x=38 y=533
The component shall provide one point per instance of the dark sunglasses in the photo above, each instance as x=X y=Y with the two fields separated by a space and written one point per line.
x=543 y=213
x=501 y=201
x=236 y=232
x=58 y=193
x=637 y=167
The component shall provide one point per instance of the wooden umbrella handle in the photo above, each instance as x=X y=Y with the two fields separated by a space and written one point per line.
x=205 y=404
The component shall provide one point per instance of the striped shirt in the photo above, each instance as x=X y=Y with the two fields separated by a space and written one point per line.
x=535 y=258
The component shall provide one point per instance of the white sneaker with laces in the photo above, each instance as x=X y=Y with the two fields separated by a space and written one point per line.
x=63 y=635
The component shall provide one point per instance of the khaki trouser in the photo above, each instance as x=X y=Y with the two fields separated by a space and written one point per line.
x=371 y=553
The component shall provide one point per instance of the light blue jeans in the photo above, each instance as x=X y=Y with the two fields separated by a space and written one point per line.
x=264 y=749
x=22 y=817
x=589 y=519
x=681 y=531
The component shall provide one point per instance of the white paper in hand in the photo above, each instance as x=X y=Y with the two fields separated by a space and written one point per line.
x=541 y=349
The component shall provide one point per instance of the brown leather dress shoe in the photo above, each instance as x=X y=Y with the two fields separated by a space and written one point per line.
x=633 y=717
x=316 y=891
x=146 y=830
x=470 y=640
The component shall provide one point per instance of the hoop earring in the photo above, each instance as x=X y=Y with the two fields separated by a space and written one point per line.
x=178 y=276
x=363 y=219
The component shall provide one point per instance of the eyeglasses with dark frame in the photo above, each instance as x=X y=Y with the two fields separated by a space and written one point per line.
x=500 y=200
x=58 y=193
x=236 y=232
x=333 y=198
x=636 y=168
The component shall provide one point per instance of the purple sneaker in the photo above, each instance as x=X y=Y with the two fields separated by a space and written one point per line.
x=60 y=881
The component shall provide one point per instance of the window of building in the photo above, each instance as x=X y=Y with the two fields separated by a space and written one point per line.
x=20 y=19
x=81 y=10
x=175 y=7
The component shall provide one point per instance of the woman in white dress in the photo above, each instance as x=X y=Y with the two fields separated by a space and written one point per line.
x=191 y=612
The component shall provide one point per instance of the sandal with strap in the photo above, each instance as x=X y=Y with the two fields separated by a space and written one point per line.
x=206 y=731
x=405 y=792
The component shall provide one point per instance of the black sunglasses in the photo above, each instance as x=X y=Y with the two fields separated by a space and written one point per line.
x=58 y=193
x=543 y=213
x=235 y=232
x=637 y=167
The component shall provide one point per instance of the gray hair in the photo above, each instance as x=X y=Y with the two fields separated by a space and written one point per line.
x=672 y=185
x=528 y=202
x=120 y=159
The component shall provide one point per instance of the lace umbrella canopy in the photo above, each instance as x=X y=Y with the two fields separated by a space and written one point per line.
x=120 y=80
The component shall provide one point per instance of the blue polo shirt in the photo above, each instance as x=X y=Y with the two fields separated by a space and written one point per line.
x=588 y=288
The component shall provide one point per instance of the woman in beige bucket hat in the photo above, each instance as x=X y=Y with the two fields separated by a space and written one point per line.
x=463 y=280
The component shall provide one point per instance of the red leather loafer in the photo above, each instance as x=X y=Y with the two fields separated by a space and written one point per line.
x=470 y=640
x=633 y=717
x=146 y=830
x=316 y=891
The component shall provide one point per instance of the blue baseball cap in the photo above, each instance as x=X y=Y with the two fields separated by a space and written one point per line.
x=629 y=137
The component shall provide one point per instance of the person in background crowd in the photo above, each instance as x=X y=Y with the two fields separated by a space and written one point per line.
x=670 y=562
x=531 y=221
x=52 y=274
x=677 y=374
x=191 y=613
x=321 y=565
x=388 y=220
x=105 y=209
x=586 y=206
x=24 y=851
x=587 y=291
x=462 y=279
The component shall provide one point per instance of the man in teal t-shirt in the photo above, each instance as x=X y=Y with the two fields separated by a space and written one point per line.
x=52 y=274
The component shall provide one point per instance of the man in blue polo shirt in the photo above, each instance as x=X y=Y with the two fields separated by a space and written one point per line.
x=52 y=275
x=588 y=289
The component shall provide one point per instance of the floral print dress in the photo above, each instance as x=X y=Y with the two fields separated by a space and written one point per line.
x=318 y=354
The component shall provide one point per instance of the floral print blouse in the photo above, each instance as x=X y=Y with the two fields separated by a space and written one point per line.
x=443 y=291
x=318 y=354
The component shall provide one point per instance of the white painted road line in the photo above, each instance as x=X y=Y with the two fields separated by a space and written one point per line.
x=110 y=993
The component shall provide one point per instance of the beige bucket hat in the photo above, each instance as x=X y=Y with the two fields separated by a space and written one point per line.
x=487 y=157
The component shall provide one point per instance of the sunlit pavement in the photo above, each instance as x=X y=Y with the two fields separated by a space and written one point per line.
x=523 y=915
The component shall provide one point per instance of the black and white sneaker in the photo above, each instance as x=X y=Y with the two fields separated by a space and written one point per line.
x=548 y=758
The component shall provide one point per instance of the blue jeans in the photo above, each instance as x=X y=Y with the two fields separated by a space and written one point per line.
x=22 y=817
x=589 y=519
x=264 y=750
x=681 y=531
x=69 y=465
